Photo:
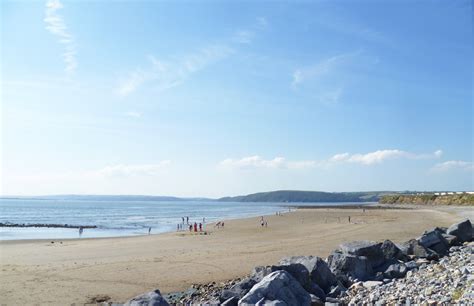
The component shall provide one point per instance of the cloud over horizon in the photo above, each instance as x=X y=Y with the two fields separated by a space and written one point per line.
x=367 y=159
x=454 y=165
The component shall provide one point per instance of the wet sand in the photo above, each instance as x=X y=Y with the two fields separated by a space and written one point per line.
x=75 y=271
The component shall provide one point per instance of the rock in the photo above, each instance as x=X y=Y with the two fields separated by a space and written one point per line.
x=317 y=291
x=451 y=239
x=413 y=247
x=337 y=290
x=297 y=270
x=238 y=290
x=435 y=241
x=369 y=249
x=332 y=302
x=152 y=298
x=350 y=265
x=396 y=271
x=318 y=269
x=462 y=230
x=391 y=251
x=277 y=288
x=371 y=284
x=411 y=265
x=233 y=301
x=315 y=301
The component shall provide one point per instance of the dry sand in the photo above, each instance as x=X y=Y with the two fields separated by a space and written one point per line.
x=75 y=271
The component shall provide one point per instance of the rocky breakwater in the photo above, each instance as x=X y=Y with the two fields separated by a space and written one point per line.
x=435 y=268
x=49 y=225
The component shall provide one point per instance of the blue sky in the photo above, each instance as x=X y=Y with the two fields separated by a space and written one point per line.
x=223 y=98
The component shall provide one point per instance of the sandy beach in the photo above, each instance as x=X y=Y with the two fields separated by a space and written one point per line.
x=75 y=271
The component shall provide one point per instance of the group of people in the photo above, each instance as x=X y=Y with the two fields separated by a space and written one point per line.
x=219 y=224
x=190 y=226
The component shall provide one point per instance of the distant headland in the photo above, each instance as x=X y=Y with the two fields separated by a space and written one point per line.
x=291 y=196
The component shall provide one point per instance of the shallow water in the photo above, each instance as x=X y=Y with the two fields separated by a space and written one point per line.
x=120 y=218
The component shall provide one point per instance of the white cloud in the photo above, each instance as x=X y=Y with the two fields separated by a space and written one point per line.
x=131 y=170
x=56 y=25
x=321 y=68
x=380 y=156
x=371 y=158
x=112 y=171
x=255 y=162
x=168 y=74
x=454 y=164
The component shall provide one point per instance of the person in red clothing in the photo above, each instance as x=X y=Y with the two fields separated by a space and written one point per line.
x=195 y=227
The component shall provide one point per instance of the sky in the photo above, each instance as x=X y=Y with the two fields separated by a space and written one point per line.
x=218 y=98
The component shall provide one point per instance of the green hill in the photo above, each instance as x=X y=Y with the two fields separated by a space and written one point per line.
x=306 y=196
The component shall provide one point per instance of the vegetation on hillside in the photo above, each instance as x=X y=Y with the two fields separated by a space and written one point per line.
x=464 y=199
x=306 y=196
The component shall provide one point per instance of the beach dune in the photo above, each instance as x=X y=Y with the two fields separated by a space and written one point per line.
x=76 y=271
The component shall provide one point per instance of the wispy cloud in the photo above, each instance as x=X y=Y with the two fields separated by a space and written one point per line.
x=131 y=170
x=164 y=74
x=244 y=37
x=367 y=159
x=255 y=162
x=107 y=172
x=57 y=26
x=380 y=156
x=346 y=26
x=453 y=165
x=167 y=74
x=321 y=68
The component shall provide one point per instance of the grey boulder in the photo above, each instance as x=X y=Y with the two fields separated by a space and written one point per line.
x=238 y=290
x=297 y=270
x=392 y=252
x=369 y=249
x=414 y=248
x=350 y=265
x=277 y=288
x=396 y=271
x=319 y=271
x=435 y=241
x=152 y=298
x=462 y=230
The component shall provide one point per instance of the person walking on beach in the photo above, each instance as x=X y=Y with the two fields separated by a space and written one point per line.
x=81 y=230
x=149 y=230
x=187 y=220
x=182 y=219
x=190 y=228
x=349 y=219
x=195 y=227
x=200 y=227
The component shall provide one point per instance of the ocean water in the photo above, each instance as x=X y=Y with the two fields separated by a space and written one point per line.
x=120 y=218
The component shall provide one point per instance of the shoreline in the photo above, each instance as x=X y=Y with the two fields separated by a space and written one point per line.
x=337 y=205
x=461 y=211
x=122 y=267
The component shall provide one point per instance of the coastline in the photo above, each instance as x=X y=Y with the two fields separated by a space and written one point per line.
x=79 y=269
x=93 y=231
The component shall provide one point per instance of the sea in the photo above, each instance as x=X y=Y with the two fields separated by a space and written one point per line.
x=122 y=218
